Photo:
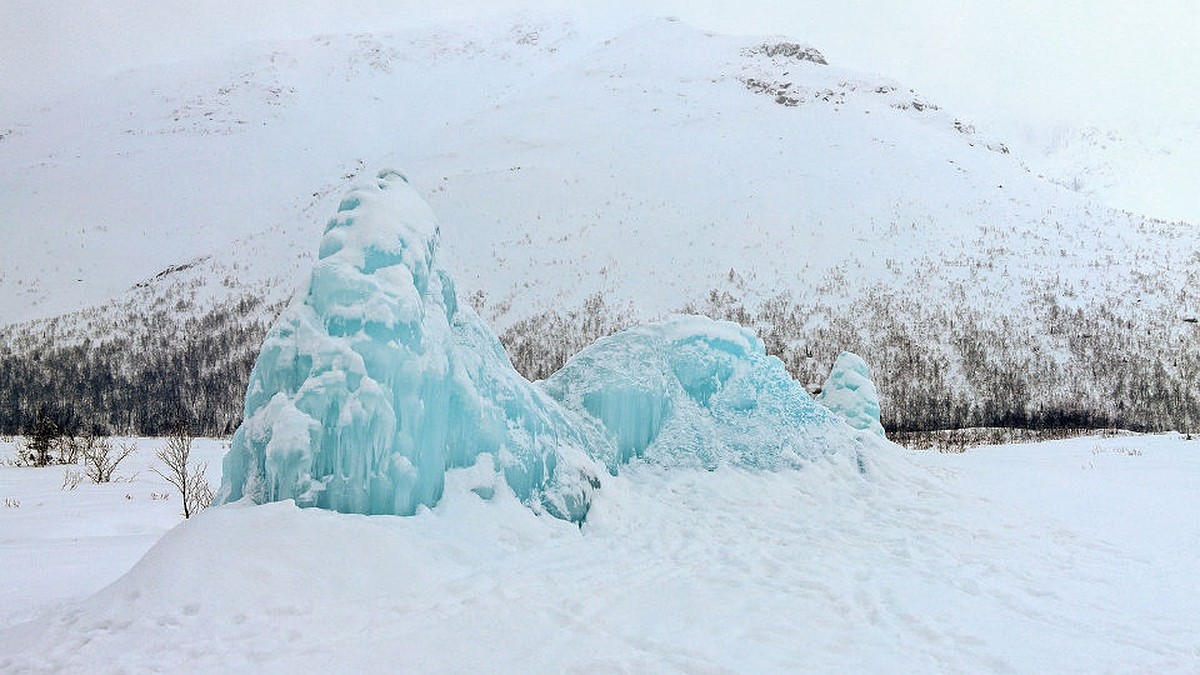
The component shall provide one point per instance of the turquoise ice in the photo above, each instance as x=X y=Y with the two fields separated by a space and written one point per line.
x=375 y=381
x=691 y=391
x=851 y=395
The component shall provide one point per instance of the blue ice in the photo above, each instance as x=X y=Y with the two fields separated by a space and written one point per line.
x=376 y=380
x=691 y=391
x=851 y=395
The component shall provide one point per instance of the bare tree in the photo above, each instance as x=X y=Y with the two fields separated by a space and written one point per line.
x=71 y=479
x=100 y=460
x=71 y=448
x=187 y=478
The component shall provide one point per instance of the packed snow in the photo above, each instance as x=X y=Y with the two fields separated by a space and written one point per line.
x=59 y=544
x=1071 y=556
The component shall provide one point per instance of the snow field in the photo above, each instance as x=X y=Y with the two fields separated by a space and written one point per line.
x=1071 y=556
x=58 y=544
x=541 y=216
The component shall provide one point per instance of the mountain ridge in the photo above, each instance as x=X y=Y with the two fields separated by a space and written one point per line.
x=585 y=183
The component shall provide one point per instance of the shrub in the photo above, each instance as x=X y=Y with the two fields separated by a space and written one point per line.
x=187 y=478
x=100 y=460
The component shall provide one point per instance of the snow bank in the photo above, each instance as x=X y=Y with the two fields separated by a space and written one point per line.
x=851 y=395
x=375 y=380
x=691 y=391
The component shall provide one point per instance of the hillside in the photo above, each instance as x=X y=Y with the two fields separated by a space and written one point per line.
x=1137 y=167
x=585 y=177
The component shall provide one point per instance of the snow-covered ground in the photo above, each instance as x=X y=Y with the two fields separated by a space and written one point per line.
x=1068 y=556
x=59 y=544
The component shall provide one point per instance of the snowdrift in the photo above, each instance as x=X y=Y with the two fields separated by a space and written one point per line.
x=1001 y=560
x=376 y=380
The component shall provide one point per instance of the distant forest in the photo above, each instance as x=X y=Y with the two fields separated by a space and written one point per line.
x=947 y=366
x=155 y=373
x=938 y=366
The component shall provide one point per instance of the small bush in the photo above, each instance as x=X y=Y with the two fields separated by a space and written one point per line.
x=68 y=449
x=71 y=479
x=100 y=460
x=187 y=478
x=45 y=438
x=21 y=454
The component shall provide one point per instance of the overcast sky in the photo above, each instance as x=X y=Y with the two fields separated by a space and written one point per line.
x=1043 y=60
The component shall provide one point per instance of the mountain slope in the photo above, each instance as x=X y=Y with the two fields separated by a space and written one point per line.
x=1134 y=166
x=590 y=176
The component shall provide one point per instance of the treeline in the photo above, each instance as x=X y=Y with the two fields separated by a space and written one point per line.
x=938 y=365
x=154 y=372
x=539 y=345
x=949 y=365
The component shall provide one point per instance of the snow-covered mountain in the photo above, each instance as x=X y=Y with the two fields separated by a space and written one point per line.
x=586 y=176
x=1135 y=167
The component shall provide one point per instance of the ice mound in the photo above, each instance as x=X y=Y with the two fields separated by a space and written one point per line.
x=697 y=392
x=851 y=395
x=375 y=380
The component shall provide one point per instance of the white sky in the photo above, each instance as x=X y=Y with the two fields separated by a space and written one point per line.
x=1031 y=60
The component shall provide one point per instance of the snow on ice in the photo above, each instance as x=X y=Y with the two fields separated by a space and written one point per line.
x=691 y=391
x=375 y=381
x=851 y=395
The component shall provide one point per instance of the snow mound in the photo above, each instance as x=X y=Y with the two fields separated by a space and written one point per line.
x=375 y=380
x=851 y=395
x=692 y=391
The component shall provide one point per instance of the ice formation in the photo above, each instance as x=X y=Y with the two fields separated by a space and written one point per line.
x=375 y=380
x=851 y=395
x=693 y=391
